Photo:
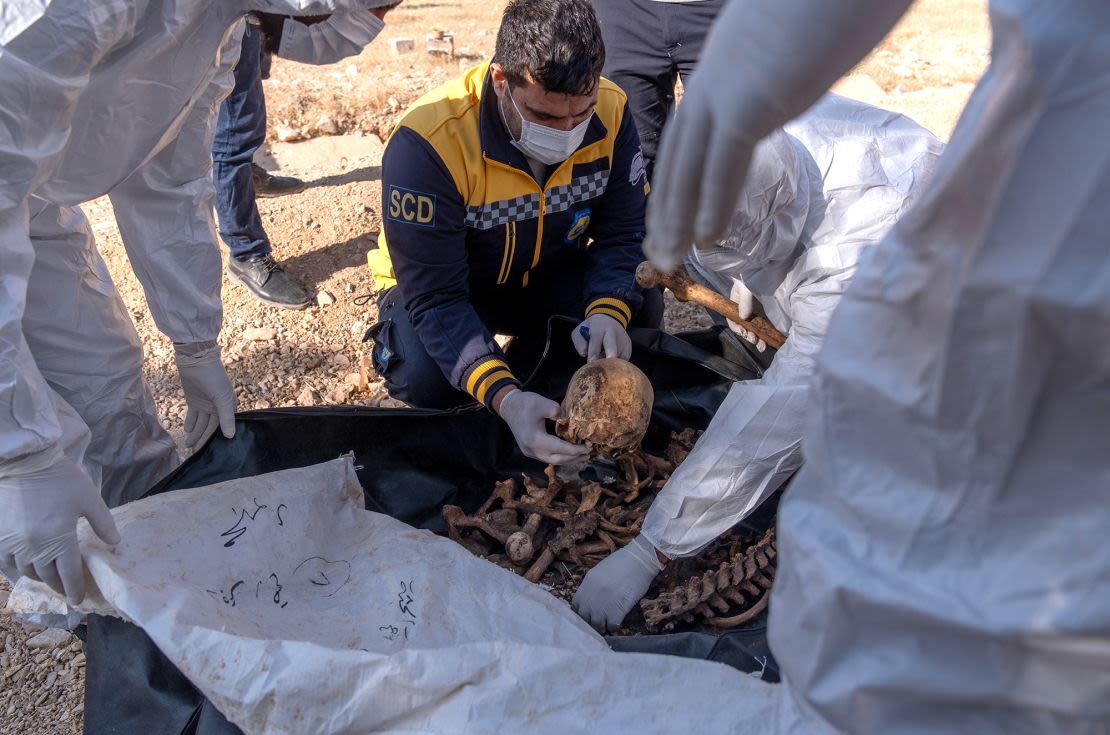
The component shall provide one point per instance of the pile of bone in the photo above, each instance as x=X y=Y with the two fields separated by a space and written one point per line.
x=528 y=524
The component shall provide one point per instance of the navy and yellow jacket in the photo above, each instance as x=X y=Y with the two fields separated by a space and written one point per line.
x=463 y=214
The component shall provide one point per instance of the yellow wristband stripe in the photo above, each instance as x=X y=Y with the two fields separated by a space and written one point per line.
x=613 y=304
x=481 y=369
x=489 y=381
x=607 y=311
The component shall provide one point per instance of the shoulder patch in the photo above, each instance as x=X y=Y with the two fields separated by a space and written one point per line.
x=637 y=172
x=412 y=207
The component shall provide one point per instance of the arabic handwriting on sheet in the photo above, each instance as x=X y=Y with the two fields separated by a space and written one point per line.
x=246 y=518
x=228 y=597
x=329 y=576
x=406 y=604
x=277 y=587
x=405 y=600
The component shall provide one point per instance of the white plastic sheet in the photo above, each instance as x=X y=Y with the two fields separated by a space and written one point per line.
x=295 y=610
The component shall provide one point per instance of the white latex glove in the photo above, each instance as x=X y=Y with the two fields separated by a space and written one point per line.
x=764 y=62
x=525 y=413
x=38 y=526
x=610 y=589
x=208 y=393
x=747 y=303
x=601 y=336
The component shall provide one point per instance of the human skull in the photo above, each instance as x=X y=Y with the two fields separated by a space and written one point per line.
x=607 y=406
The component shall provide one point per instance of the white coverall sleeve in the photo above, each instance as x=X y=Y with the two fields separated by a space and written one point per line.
x=165 y=217
x=346 y=33
x=752 y=445
x=765 y=62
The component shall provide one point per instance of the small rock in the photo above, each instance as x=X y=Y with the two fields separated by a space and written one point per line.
x=350 y=287
x=401 y=45
x=358 y=380
x=340 y=360
x=49 y=638
x=352 y=70
x=342 y=392
x=3 y=598
x=263 y=403
x=259 y=334
x=393 y=102
x=392 y=403
x=324 y=298
x=308 y=397
x=327 y=126
x=50 y=679
x=286 y=134
x=362 y=208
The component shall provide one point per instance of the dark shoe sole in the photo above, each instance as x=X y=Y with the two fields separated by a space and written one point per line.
x=273 y=194
x=292 y=307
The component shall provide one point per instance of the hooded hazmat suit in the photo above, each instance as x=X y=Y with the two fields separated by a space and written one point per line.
x=942 y=557
x=116 y=98
x=820 y=192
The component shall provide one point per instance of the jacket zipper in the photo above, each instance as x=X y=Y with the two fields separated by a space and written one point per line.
x=539 y=220
x=510 y=253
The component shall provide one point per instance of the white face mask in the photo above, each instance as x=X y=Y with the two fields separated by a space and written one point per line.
x=546 y=145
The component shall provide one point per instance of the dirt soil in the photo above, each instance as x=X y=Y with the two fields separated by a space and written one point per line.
x=926 y=68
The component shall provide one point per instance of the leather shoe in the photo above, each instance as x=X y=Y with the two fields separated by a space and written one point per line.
x=267 y=185
x=269 y=282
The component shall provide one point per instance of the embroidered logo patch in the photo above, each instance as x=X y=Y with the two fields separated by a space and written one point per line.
x=637 y=172
x=412 y=207
x=579 y=225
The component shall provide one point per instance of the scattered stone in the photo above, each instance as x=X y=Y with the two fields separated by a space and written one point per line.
x=3 y=598
x=327 y=126
x=286 y=133
x=49 y=638
x=392 y=403
x=309 y=396
x=340 y=360
x=440 y=43
x=259 y=334
x=263 y=403
x=324 y=298
x=402 y=45
x=358 y=380
x=393 y=102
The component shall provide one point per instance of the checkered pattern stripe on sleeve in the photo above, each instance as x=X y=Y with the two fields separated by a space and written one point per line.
x=580 y=189
x=495 y=214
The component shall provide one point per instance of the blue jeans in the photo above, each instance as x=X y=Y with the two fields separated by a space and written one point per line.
x=240 y=130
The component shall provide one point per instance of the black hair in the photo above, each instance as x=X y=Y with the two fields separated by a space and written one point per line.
x=556 y=42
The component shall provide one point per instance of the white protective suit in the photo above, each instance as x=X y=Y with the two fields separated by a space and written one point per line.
x=820 y=192
x=943 y=566
x=112 y=97
x=343 y=34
